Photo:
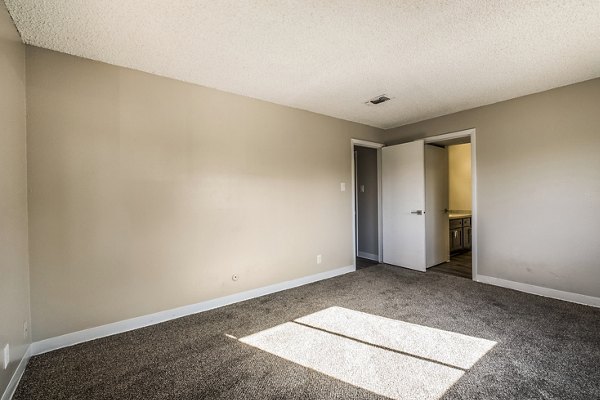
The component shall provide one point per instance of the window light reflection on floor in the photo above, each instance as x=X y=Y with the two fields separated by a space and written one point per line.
x=391 y=358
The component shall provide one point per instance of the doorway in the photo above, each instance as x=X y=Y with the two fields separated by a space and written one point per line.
x=460 y=210
x=366 y=189
x=415 y=204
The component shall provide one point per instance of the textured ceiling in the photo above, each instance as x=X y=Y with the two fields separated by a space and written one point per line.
x=330 y=56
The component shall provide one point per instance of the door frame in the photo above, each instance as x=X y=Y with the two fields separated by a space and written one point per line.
x=378 y=147
x=474 y=220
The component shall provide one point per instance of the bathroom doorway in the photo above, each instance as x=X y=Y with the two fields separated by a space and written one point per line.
x=460 y=207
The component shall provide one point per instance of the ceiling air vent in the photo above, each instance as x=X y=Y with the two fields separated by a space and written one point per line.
x=378 y=100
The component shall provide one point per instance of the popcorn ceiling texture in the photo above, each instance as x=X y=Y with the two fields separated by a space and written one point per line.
x=432 y=57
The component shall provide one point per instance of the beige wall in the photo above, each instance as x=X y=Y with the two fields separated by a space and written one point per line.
x=149 y=193
x=459 y=177
x=14 y=268
x=538 y=185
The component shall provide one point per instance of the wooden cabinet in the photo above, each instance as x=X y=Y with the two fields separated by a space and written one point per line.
x=460 y=233
x=467 y=237
x=456 y=236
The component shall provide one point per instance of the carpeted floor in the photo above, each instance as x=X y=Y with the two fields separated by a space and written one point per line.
x=546 y=349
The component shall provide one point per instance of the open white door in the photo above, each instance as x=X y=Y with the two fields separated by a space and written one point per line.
x=403 y=205
x=436 y=205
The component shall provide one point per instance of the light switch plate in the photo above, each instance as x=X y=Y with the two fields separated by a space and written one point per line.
x=6 y=356
x=343 y=186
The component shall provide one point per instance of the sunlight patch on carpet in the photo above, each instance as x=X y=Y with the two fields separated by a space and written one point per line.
x=446 y=347
x=380 y=371
x=391 y=358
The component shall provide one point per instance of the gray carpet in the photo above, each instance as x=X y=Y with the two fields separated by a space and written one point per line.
x=546 y=349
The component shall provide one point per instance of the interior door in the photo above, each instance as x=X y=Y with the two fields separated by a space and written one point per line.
x=436 y=205
x=403 y=205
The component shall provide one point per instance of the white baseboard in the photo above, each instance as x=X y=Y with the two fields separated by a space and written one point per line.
x=16 y=377
x=85 y=335
x=368 y=256
x=541 y=291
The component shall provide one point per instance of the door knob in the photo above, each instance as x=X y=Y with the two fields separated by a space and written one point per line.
x=418 y=212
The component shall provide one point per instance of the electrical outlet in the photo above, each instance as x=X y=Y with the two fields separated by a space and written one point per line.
x=25 y=330
x=6 y=354
x=319 y=259
x=343 y=186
